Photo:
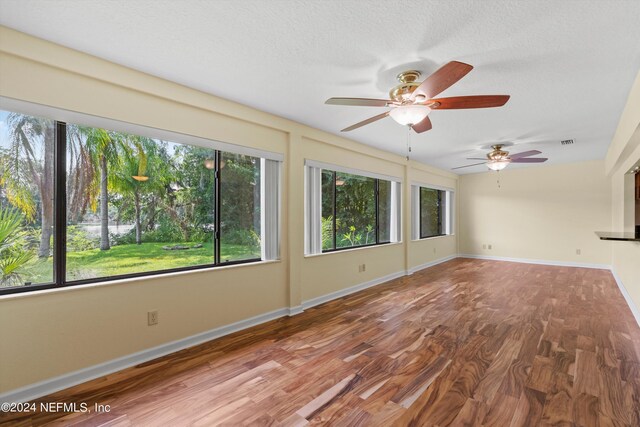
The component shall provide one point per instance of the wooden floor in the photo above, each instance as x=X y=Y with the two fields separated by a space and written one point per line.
x=468 y=342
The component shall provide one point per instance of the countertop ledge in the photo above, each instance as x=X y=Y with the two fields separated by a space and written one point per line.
x=623 y=236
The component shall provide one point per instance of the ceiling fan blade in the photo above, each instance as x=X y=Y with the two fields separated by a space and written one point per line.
x=474 y=101
x=524 y=154
x=530 y=160
x=360 y=102
x=366 y=122
x=477 y=158
x=468 y=166
x=422 y=126
x=443 y=78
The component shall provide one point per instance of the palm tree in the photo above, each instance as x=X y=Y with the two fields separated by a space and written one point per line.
x=141 y=172
x=28 y=162
x=103 y=148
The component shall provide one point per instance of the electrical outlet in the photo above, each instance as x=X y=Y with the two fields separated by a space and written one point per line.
x=434 y=250
x=152 y=318
x=578 y=251
x=489 y=246
x=364 y=267
x=484 y=246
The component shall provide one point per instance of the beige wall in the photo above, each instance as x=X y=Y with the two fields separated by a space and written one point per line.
x=623 y=154
x=50 y=333
x=540 y=213
x=626 y=255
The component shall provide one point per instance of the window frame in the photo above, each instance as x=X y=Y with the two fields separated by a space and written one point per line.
x=446 y=213
x=313 y=212
x=60 y=201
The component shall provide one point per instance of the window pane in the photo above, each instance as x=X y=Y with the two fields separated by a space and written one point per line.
x=384 y=211
x=355 y=210
x=240 y=207
x=327 y=210
x=27 y=146
x=135 y=204
x=430 y=212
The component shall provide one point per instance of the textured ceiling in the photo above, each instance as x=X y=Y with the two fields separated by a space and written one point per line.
x=568 y=65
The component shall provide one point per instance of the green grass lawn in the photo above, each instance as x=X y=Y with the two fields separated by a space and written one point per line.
x=127 y=259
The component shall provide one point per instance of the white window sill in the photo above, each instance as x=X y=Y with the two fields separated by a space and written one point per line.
x=384 y=245
x=151 y=276
x=433 y=237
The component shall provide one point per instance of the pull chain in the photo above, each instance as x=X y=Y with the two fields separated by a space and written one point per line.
x=498 y=180
x=408 y=141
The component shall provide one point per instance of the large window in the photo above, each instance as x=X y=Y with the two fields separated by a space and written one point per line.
x=80 y=204
x=432 y=212
x=347 y=210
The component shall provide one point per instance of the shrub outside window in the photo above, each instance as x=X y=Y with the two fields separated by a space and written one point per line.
x=431 y=212
x=347 y=210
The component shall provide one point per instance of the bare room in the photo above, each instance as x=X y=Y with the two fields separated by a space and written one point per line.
x=341 y=213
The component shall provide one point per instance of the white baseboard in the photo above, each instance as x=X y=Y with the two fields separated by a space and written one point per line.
x=34 y=391
x=347 y=291
x=538 y=261
x=634 y=309
x=292 y=311
x=431 y=263
x=627 y=297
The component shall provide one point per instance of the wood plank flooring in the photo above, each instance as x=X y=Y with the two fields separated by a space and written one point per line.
x=467 y=342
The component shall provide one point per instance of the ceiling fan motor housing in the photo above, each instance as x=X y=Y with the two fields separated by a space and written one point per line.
x=498 y=153
x=408 y=84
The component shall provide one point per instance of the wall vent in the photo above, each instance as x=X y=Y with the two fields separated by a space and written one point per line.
x=566 y=142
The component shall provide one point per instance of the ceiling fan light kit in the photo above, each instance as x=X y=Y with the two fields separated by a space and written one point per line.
x=409 y=114
x=498 y=165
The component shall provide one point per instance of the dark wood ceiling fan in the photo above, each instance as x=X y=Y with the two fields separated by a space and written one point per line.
x=412 y=101
x=498 y=159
